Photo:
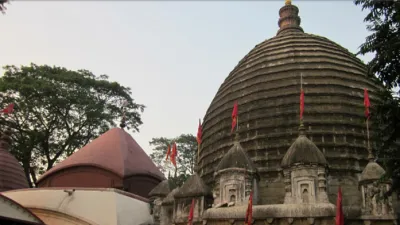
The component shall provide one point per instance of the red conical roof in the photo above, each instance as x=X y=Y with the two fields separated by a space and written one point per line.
x=115 y=151
x=12 y=175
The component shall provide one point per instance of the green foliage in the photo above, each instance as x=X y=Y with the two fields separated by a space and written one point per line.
x=58 y=111
x=186 y=158
x=383 y=22
x=388 y=120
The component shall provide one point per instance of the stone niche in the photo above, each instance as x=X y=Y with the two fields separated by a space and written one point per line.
x=305 y=184
x=233 y=187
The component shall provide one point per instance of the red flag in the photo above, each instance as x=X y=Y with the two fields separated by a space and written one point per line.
x=191 y=212
x=168 y=152
x=339 y=209
x=234 y=116
x=173 y=154
x=199 y=133
x=367 y=104
x=9 y=109
x=301 y=104
x=249 y=213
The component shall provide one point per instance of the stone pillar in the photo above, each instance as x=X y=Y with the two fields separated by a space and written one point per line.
x=322 y=194
x=288 y=186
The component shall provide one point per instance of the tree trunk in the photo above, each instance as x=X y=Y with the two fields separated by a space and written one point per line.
x=33 y=175
x=27 y=173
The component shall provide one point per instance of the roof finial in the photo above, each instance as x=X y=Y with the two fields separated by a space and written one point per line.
x=123 y=119
x=289 y=19
x=302 y=129
x=236 y=136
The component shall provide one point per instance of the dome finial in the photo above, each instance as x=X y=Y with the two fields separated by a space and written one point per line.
x=302 y=129
x=289 y=19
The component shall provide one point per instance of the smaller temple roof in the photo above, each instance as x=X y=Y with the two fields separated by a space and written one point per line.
x=373 y=171
x=236 y=157
x=162 y=189
x=193 y=187
x=170 y=197
x=12 y=175
x=303 y=150
x=115 y=151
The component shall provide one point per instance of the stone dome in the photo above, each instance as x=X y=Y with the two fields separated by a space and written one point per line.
x=161 y=190
x=236 y=157
x=266 y=84
x=12 y=175
x=303 y=151
x=372 y=172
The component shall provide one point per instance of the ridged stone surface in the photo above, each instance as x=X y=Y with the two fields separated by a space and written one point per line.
x=12 y=175
x=266 y=84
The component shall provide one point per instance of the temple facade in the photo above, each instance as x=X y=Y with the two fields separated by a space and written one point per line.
x=293 y=167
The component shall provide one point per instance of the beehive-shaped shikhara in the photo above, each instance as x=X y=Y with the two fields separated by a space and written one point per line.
x=266 y=84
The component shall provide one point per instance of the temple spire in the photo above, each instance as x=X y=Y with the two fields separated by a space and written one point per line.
x=289 y=19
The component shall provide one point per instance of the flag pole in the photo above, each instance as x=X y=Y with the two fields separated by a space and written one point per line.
x=368 y=145
x=370 y=155
x=237 y=123
x=301 y=89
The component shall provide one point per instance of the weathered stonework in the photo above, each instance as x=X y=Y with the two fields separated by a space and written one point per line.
x=376 y=207
x=167 y=208
x=235 y=178
x=193 y=189
x=266 y=84
x=157 y=196
x=294 y=177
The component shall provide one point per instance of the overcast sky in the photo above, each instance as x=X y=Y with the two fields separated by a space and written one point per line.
x=173 y=54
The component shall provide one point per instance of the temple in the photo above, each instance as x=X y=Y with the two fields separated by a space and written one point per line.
x=293 y=167
x=106 y=182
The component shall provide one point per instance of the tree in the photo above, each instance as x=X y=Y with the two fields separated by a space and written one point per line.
x=384 y=24
x=2 y=7
x=186 y=158
x=58 y=111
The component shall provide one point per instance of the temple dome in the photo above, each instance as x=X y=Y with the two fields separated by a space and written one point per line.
x=236 y=157
x=113 y=160
x=161 y=190
x=193 y=187
x=373 y=171
x=266 y=84
x=12 y=175
x=115 y=151
x=303 y=151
